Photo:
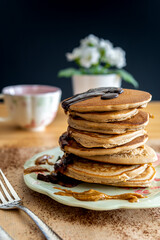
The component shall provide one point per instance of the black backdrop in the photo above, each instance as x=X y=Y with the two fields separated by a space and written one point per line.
x=35 y=35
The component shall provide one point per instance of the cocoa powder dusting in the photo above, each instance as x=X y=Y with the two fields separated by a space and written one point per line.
x=70 y=222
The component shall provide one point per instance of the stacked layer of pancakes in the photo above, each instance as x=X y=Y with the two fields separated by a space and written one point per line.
x=106 y=141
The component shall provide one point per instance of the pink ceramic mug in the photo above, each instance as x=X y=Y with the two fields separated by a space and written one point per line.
x=32 y=107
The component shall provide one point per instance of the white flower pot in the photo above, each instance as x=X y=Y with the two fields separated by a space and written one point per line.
x=82 y=83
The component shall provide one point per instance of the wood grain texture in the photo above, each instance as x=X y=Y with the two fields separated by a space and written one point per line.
x=14 y=136
x=69 y=222
x=11 y=135
x=17 y=145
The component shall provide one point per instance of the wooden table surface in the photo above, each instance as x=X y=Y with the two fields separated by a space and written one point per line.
x=11 y=135
x=69 y=223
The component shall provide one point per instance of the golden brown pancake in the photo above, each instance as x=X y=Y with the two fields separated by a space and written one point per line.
x=140 y=155
x=92 y=140
x=128 y=99
x=109 y=174
x=105 y=142
x=142 y=180
x=137 y=122
x=71 y=146
x=110 y=116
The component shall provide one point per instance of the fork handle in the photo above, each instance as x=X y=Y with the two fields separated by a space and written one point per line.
x=4 y=234
x=45 y=229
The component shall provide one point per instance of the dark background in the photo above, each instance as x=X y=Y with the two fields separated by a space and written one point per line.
x=35 y=35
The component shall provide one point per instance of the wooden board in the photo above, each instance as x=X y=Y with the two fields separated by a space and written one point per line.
x=11 y=135
x=17 y=145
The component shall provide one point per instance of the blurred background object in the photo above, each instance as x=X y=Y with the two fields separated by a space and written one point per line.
x=35 y=35
x=99 y=64
x=32 y=107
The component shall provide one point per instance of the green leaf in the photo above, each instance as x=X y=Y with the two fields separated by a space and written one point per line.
x=94 y=70
x=69 y=72
x=126 y=76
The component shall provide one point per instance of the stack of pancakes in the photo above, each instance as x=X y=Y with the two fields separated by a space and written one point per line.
x=106 y=140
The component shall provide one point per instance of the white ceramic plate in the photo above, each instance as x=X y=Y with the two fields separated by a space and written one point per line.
x=152 y=193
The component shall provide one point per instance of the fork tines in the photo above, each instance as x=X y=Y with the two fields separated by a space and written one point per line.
x=12 y=191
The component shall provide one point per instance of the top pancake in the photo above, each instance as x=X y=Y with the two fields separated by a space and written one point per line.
x=128 y=99
x=110 y=116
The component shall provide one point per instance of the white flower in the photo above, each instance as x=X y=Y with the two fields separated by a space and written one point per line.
x=91 y=40
x=104 y=47
x=116 y=57
x=74 y=55
x=89 y=56
x=105 y=44
x=93 y=50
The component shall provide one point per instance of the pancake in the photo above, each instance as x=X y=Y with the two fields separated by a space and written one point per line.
x=110 y=116
x=92 y=140
x=71 y=146
x=137 y=122
x=142 y=180
x=103 y=173
x=105 y=140
x=139 y=155
x=128 y=99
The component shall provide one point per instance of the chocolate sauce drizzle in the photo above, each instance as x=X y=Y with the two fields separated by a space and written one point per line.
x=44 y=159
x=62 y=163
x=57 y=176
x=63 y=140
x=104 y=92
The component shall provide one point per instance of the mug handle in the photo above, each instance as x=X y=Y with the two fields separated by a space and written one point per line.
x=3 y=119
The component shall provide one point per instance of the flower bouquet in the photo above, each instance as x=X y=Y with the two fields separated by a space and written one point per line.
x=97 y=56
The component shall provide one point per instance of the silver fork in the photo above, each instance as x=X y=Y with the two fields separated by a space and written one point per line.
x=15 y=202
x=4 y=235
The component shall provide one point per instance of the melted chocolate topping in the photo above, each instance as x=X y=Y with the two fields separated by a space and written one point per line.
x=63 y=140
x=59 y=178
x=62 y=163
x=104 y=92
